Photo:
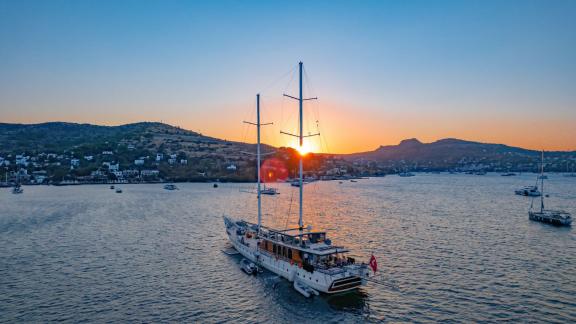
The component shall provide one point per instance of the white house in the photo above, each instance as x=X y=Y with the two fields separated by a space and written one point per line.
x=231 y=167
x=74 y=163
x=149 y=173
x=88 y=157
x=97 y=173
x=139 y=162
x=159 y=157
x=130 y=173
x=22 y=160
x=113 y=167
x=107 y=152
x=183 y=161
x=171 y=161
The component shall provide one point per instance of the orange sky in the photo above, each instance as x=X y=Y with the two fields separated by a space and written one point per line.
x=498 y=72
x=343 y=130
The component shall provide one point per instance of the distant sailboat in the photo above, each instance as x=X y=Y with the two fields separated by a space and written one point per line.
x=555 y=217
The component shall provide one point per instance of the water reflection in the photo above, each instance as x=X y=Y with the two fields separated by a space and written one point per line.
x=460 y=247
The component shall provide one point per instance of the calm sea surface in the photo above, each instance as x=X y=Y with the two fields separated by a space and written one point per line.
x=459 y=247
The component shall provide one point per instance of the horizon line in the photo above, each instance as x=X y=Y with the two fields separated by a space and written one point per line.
x=240 y=141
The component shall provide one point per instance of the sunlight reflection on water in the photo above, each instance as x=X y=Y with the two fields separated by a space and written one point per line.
x=460 y=247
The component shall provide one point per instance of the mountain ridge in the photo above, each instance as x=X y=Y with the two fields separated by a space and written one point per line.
x=409 y=142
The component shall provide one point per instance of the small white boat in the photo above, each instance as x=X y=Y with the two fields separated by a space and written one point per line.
x=406 y=174
x=170 y=187
x=269 y=191
x=528 y=191
x=118 y=190
x=304 y=289
x=17 y=189
x=248 y=266
x=508 y=174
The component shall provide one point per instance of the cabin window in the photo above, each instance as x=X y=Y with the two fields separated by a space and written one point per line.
x=283 y=251
x=289 y=253
x=274 y=248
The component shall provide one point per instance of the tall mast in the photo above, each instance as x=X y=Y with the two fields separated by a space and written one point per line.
x=300 y=137
x=542 y=183
x=258 y=154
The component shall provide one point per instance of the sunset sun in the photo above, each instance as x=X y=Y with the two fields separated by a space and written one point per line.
x=306 y=148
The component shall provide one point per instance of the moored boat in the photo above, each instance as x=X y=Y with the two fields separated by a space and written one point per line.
x=269 y=191
x=307 y=258
x=248 y=266
x=529 y=191
x=554 y=217
x=17 y=189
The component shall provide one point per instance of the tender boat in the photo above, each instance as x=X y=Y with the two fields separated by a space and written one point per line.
x=304 y=289
x=170 y=187
x=508 y=174
x=554 y=217
x=118 y=190
x=529 y=191
x=17 y=189
x=248 y=266
x=111 y=187
x=300 y=255
x=269 y=191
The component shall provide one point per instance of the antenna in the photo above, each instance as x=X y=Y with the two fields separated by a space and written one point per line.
x=258 y=124
x=301 y=140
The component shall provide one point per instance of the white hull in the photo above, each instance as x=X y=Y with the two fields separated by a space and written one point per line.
x=553 y=217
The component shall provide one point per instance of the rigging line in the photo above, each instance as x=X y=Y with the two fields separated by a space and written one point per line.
x=266 y=88
x=289 y=208
x=282 y=125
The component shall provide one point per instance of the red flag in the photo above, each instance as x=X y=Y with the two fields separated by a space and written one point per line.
x=373 y=263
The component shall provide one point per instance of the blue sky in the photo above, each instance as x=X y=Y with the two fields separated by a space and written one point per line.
x=481 y=70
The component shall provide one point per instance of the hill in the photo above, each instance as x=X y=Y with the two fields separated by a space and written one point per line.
x=81 y=150
x=454 y=153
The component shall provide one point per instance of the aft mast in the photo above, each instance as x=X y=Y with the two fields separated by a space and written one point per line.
x=542 y=183
x=258 y=154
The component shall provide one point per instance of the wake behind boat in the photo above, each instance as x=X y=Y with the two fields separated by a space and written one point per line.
x=307 y=258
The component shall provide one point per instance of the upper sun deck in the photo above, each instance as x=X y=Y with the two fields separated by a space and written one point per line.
x=306 y=241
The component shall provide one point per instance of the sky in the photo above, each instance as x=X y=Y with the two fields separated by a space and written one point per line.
x=490 y=71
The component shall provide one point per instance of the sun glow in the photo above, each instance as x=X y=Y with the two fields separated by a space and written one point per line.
x=306 y=148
